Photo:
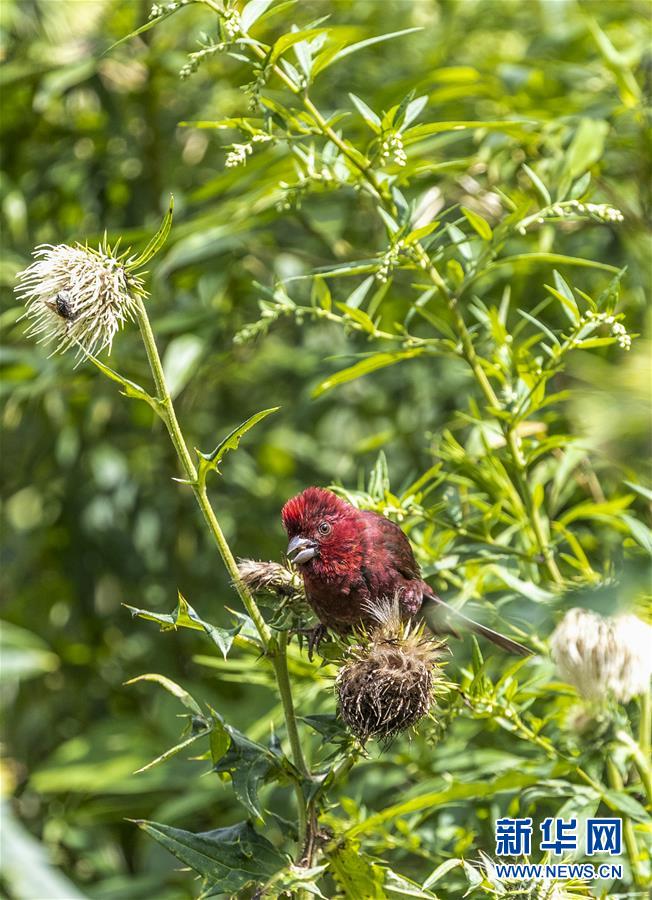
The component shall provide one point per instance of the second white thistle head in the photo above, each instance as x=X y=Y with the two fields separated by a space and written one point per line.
x=77 y=296
x=603 y=657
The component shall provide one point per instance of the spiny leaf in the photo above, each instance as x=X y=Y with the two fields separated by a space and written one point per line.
x=211 y=461
x=130 y=388
x=185 y=616
x=228 y=859
x=249 y=764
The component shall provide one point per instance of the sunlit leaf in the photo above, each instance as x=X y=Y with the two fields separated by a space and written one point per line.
x=364 y=367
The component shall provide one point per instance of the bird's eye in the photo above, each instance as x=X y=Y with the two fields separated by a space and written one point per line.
x=324 y=528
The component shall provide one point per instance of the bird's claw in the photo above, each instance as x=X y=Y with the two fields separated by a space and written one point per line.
x=315 y=636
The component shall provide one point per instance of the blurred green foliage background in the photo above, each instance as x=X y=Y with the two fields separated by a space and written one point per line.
x=91 y=518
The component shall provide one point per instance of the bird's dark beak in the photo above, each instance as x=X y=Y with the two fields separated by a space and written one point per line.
x=300 y=550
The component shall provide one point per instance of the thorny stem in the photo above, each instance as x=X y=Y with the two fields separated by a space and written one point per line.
x=468 y=350
x=275 y=649
x=616 y=782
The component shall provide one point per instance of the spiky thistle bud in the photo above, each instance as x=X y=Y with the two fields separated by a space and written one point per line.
x=603 y=657
x=391 y=678
x=270 y=577
x=77 y=296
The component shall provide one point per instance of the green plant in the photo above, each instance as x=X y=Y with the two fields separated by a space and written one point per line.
x=511 y=509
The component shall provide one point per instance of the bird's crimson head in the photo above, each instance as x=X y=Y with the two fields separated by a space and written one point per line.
x=323 y=530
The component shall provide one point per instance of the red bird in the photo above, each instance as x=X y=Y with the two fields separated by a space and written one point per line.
x=352 y=560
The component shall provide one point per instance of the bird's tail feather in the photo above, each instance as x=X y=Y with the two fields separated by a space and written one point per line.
x=437 y=614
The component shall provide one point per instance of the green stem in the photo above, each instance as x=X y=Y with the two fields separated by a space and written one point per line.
x=640 y=756
x=616 y=782
x=276 y=650
x=280 y=662
x=645 y=724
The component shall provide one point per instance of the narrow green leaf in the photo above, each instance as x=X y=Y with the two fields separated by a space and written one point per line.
x=129 y=388
x=539 y=325
x=419 y=132
x=565 y=295
x=367 y=114
x=364 y=367
x=357 y=296
x=143 y=28
x=537 y=258
x=360 y=45
x=608 y=509
x=251 y=12
x=359 y=316
x=290 y=39
x=172 y=688
x=539 y=186
x=173 y=751
x=156 y=242
x=643 y=491
x=321 y=294
x=478 y=223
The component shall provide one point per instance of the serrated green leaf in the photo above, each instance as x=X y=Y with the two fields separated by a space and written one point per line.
x=227 y=858
x=184 y=616
x=210 y=461
x=249 y=764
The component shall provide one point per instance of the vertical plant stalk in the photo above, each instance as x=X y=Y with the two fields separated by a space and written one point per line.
x=616 y=782
x=548 y=562
x=275 y=649
x=645 y=724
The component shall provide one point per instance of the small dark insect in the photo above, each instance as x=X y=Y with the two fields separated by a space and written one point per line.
x=62 y=306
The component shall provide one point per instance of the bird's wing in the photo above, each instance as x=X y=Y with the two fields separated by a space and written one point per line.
x=387 y=542
x=434 y=609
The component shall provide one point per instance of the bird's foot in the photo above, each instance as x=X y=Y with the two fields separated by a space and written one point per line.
x=315 y=636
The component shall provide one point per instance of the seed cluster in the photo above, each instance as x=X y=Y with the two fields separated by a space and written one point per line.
x=78 y=297
x=603 y=657
x=391 y=678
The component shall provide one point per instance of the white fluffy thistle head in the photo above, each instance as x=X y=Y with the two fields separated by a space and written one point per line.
x=603 y=657
x=77 y=296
